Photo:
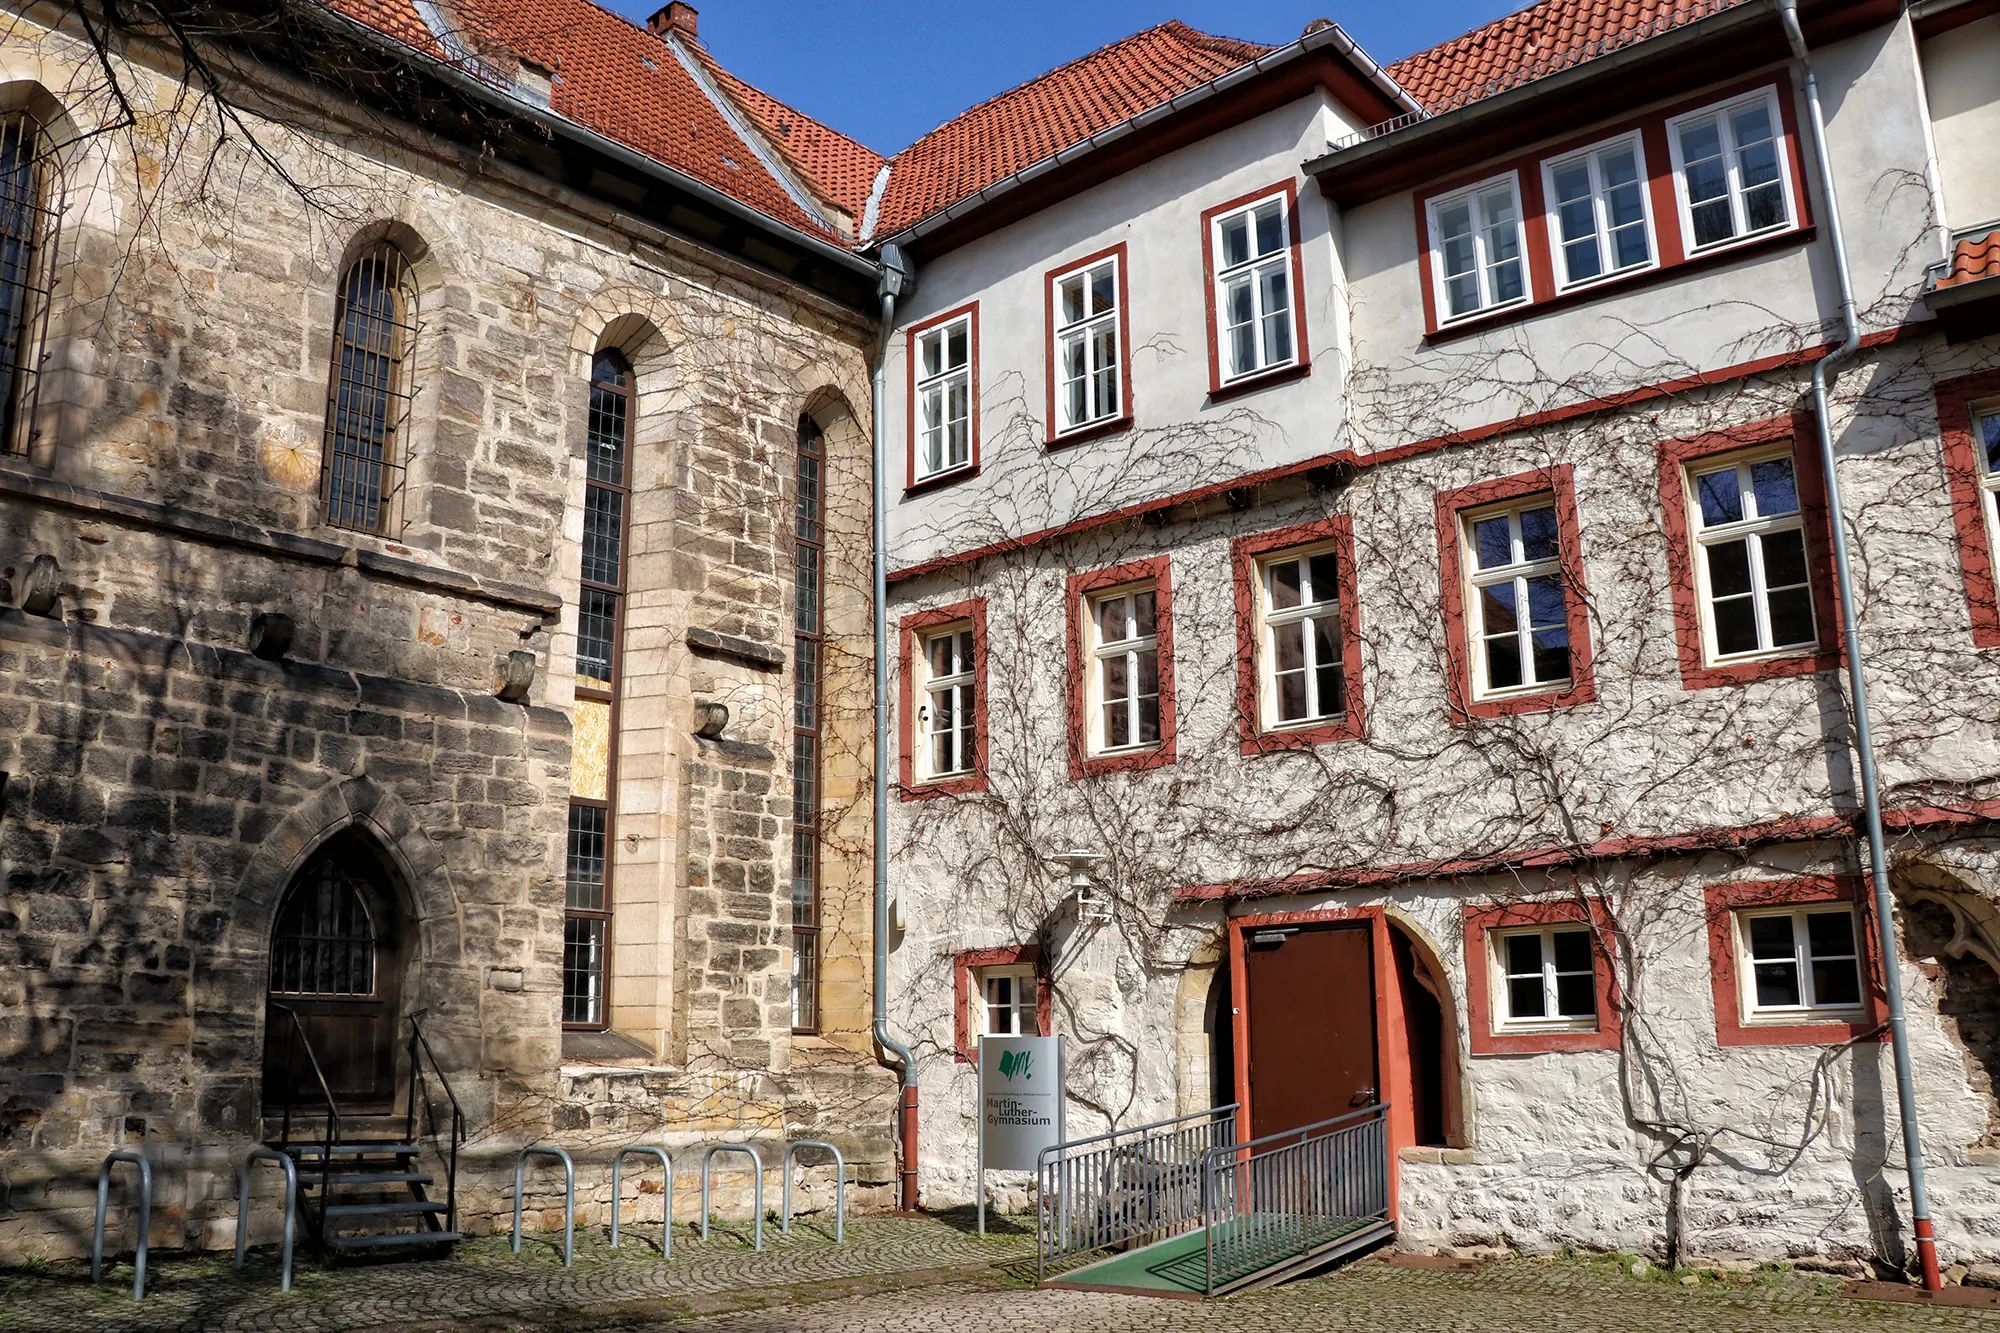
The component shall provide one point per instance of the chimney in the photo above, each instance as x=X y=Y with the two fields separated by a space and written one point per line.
x=677 y=17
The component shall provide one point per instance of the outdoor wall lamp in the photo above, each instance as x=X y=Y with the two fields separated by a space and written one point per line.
x=1090 y=907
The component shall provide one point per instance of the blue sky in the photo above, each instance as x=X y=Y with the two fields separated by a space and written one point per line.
x=886 y=71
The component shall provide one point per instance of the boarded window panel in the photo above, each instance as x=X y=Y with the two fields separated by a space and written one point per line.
x=590 y=754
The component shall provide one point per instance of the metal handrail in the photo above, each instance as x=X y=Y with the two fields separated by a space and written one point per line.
x=1119 y=1186
x=569 y=1195
x=757 y=1197
x=421 y=1044
x=291 y=1206
x=839 y=1187
x=332 y=1138
x=617 y=1178
x=145 y=1219
x=1298 y=1192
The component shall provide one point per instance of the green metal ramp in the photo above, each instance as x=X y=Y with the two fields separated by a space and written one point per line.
x=1179 y=1266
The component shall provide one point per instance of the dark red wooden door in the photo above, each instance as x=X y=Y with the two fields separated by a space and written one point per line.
x=1311 y=994
x=335 y=963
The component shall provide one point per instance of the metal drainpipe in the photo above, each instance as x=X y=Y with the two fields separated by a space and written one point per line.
x=897 y=279
x=1864 y=744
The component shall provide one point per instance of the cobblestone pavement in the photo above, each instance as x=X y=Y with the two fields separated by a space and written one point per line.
x=899 y=1275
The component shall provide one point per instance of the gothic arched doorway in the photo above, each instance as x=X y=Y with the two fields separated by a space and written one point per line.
x=337 y=963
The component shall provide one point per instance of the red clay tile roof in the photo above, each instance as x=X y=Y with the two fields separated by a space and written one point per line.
x=1973 y=258
x=612 y=77
x=999 y=137
x=835 y=167
x=1537 y=42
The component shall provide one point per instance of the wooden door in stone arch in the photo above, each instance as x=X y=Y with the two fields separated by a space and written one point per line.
x=337 y=963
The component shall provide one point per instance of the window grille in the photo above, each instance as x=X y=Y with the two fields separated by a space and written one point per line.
x=600 y=621
x=27 y=226
x=369 y=399
x=810 y=553
x=325 y=943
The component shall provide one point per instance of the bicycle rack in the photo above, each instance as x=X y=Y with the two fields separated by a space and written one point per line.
x=145 y=1219
x=569 y=1196
x=708 y=1157
x=291 y=1206
x=839 y=1186
x=618 y=1166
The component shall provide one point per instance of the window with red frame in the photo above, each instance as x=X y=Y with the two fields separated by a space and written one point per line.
x=1986 y=448
x=1516 y=618
x=1599 y=221
x=1752 y=577
x=942 y=379
x=1518 y=609
x=1256 y=286
x=998 y=993
x=1479 y=259
x=1301 y=653
x=947 y=716
x=1539 y=977
x=1729 y=171
x=1086 y=351
x=1645 y=196
x=1123 y=634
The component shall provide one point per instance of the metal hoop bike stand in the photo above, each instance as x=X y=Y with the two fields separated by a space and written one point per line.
x=708 y=1157
x=291 y=1206
x=145 y=1219
x=617 y=1168
x=839 y=1186
x=569 y=1196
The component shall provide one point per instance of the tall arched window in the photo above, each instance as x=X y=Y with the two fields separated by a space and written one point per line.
x=26 y=227
x=600 y=620
x=810 y=555
x=368 y=398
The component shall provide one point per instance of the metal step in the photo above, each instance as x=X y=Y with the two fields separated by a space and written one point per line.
x=317 y=1151
x=336 y=1212
x=394 y=1239
x=347 y=1176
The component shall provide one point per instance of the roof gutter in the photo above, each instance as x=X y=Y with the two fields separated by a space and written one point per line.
x=566 y=128
x=1330 y=36
x=1446 y=123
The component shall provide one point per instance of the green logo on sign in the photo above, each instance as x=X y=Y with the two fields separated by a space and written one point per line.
x=1015 y=1062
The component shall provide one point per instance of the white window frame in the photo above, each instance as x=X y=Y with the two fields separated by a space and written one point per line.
x=1787 y=187
x=1131 y=650
x=1593 y=155
x=1481 y=265
x=966 y=727
x=1802 y=959
x=1517 y=572
x=1747 y=529
x=940 y=385
x=1504 y=1021
x=1988 y=477
x=1083 y=331
x=1025 y=1008
x=1255 y=268
x=1270 y=619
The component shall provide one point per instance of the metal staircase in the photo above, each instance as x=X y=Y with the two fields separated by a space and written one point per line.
x=362 y=1191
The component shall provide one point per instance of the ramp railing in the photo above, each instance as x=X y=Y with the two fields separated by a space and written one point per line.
x=1127 y=1187
x=1291 y=1194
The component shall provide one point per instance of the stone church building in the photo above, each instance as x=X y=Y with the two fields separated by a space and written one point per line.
x=427 y=536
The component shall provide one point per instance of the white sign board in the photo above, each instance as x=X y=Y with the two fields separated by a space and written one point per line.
x=1020 y=1100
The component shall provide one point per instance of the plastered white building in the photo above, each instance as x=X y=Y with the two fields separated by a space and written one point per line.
x=1380 y=513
